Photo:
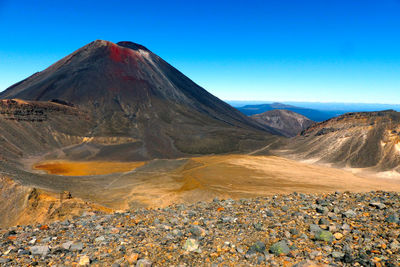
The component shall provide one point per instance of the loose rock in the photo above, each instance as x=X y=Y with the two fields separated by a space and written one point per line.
x=280 y=248
x=324 y=236
x=39 y=250
x=191 y=245
x=221 y=233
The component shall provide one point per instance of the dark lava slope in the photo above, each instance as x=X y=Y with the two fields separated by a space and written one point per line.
x=128 y=92
x=360 y=140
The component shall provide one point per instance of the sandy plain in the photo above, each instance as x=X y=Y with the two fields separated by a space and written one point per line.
x=160 y=183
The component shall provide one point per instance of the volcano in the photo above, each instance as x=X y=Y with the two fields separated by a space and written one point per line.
x=126 y=91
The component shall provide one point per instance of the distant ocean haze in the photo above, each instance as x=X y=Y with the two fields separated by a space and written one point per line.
x=317 y=111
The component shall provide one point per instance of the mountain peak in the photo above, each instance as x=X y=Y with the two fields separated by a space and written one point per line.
x=132 y=92
x=132 y=45
x=100 y=42
x=286 y=122
x=124 y=44
x=120 y=51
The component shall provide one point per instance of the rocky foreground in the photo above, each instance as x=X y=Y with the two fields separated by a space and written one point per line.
x=340 y=229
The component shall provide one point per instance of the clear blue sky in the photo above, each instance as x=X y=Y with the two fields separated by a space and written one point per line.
x=343 y=51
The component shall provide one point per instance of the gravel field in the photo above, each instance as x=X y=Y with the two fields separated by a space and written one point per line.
x=338 y=229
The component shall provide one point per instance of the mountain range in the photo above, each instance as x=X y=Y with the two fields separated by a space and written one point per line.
x=312 y=114
x=108 y=105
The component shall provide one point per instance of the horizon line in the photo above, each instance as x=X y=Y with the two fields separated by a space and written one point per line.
x=309 y=101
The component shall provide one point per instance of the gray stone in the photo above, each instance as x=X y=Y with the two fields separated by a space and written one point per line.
x=280 y=248
x=174 y=221
x=287 y=235
x=285 y=208
x=293 y=231
x=332 y=216
x=332 y=228
x=260 y=259
x=258 y=226
x=321 y=209
x=393 y=218
x=67 y=245
x=191 y=245
x=304 y=236
x=39 y=250
x=314 y=254
x=323 y=236
x=176 y=232
x=337 y=255
x=322 y=202
x=257 y=247
x=65 y=223
x=228 y=220
x=395 y=245
x=100 y=239
x=76 y=246
x=4 y=260
x=191 y=213
x=144 y=263
x=378 y=205
x=269 y=213
x=350 y=214
x=197 y=231
x=346 y=227
x=323 y=221
x=240 y=250
x=336 y=210
x=314 y=228
x=23 y=252
x=45 y=240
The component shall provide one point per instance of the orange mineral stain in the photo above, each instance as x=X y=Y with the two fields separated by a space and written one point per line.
x=85 y=168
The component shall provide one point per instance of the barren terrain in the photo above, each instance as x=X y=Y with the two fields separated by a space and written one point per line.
x=114 y=127
x=159 y=183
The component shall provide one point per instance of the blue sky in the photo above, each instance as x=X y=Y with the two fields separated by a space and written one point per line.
x=329 y=51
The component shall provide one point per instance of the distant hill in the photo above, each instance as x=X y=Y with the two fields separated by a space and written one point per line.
x=286 y=122
x=343 y=107
x=358 y=140
x=312 y=114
